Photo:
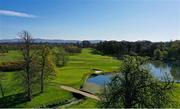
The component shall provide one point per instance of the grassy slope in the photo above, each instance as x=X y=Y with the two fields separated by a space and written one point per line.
x=82 y=64
x=72 y=74
x=10 y=83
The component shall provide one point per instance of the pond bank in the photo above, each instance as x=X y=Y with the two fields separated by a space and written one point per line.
x=76 y=99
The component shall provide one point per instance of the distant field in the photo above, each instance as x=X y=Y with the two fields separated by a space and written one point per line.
x=73 y=74
x=12 y=55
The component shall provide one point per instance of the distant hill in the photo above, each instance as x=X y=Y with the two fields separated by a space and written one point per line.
x=47 y=40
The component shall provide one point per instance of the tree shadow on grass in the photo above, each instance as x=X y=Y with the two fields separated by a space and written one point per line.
x=12 y=100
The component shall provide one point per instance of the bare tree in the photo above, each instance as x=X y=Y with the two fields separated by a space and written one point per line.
x=27 y=40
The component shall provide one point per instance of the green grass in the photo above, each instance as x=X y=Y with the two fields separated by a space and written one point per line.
x=12 y=55
x=73 y=74
x=10 y=83
x=51 y=95
x=80 y=65
x=177 y=94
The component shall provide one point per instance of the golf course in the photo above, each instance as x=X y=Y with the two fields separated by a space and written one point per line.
x=73 y=74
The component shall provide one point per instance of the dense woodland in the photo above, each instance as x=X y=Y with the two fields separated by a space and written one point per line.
x=167 y=51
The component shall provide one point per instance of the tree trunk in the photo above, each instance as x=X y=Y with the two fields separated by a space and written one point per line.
x=29 y=90
x=26 y=51
x=127 y=96
x=2 y=92
x=29 y=75
x=42 y=80
x=42 y=74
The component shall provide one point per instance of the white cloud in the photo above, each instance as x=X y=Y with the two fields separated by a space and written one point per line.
x=15 y=13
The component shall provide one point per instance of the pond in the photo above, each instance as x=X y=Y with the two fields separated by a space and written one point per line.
x=160 y=69
x=95 y=83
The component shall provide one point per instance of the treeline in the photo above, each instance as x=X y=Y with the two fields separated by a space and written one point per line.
x=59 y=52
x=74 y=47
x=167 y=51
x=71 y=48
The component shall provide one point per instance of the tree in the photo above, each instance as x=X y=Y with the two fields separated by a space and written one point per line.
x=1 y=81
x=27 y=40
x=1 y=86
x=157 y=54
x=164 y=55
x=136 y=87
x=46 y=65
x=72 y=49
x=86 y=43
x=60 y=56
x=174 y=50
x=63 y=57
x=3 y=49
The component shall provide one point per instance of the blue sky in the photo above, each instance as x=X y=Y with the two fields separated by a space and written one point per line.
x=155 y=20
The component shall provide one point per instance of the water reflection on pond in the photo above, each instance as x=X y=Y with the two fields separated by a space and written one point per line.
x=95 y=83
x=159 y=69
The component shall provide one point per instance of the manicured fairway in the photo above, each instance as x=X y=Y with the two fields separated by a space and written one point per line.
x=80 y=65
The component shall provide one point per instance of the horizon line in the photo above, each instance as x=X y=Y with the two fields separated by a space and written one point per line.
x=94 y=39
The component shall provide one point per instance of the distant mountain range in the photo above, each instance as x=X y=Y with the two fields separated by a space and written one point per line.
x=47 y=40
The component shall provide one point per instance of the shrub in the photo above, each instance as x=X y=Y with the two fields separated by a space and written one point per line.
x=11 y=66
x=72 y=49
